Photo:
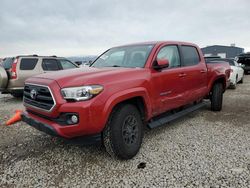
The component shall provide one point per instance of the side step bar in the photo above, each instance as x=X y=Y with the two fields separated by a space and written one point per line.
x=171 y=117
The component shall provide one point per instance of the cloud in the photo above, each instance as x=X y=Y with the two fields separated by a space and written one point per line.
x=74 y=27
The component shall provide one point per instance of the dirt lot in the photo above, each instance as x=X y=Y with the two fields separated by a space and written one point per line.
x=203 y=149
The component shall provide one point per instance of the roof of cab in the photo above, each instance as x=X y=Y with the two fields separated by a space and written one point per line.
x=158 y=43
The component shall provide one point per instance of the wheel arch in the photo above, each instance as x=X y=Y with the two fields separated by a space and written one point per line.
x=222 y=80
x=137 y=97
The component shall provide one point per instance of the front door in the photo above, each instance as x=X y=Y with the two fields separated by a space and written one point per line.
x=167 y=83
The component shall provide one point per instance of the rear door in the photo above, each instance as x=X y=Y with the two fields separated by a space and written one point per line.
x=26 y=67
x=194 y=74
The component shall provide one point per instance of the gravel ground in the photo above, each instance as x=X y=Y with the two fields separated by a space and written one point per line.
x=203 y=149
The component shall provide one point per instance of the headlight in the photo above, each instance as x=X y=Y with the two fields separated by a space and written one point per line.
x=81 y=93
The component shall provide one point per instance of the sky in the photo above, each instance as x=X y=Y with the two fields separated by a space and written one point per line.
x=89 y=27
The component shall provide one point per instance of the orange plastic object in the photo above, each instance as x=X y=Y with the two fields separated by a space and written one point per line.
x=15 y=118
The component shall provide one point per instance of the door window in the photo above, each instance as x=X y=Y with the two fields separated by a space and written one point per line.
x=50 y=65
x=28 y=63
x=170 y=53
x=190 y=55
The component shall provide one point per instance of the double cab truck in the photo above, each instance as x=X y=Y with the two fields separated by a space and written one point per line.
x=125 y=89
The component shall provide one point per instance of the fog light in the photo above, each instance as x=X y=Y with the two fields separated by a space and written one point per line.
x=74 y=119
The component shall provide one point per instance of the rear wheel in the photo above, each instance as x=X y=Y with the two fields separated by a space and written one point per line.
x=233 y=86
x=123 y=134
x=241 y=81
x=217 y=97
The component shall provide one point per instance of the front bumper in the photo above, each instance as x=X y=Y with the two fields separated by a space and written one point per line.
x=39 y=125
x=11 y=90
x=48 y=129
x=53 y=127
x=89 y=121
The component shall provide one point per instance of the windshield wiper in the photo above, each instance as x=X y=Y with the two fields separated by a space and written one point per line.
x=115 y=66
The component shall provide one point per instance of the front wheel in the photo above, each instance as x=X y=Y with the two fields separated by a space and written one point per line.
x=217 y=97
x=123 y=134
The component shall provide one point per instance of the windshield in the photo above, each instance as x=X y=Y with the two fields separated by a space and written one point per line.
x=7 y=63
x=127 y=56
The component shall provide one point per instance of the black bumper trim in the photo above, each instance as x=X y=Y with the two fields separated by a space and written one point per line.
x=39 y=126
x=85 y=140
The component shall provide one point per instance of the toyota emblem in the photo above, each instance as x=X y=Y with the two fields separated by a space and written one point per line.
x=33 y=94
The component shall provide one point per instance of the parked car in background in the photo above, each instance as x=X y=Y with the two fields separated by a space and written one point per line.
x=15 y=70
x=210 y=58
x=123 y=90
x=83 y=63
x=244 y=59
x=237 y=72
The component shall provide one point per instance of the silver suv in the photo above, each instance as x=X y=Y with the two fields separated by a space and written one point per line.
x=15 y=70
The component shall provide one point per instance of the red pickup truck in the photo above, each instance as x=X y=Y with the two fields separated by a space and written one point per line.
x=126 y=88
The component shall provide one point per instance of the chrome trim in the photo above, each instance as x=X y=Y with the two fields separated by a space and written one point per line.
x=25 y=104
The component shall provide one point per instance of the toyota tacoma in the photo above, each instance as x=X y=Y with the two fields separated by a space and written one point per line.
x=125 y=89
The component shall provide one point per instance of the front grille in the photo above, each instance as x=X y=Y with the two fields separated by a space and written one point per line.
x=38 y=96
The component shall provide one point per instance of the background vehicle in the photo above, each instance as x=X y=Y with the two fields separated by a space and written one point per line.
x=210 y=58
x=125 y=88
x=237 y=72
x=15 y=70
x=244 y=59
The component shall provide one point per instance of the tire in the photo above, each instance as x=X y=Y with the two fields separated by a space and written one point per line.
x=17 y=95
x=241 y=81
x=217 y=97
x=235 y=84
x=123 y=134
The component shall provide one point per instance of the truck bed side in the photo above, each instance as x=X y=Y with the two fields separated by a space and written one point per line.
x=218 y=70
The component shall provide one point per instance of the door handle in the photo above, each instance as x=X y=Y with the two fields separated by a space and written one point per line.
x=182 y=74
x=203 y=71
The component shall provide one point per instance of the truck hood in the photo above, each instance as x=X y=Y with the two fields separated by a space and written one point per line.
x=89 y=75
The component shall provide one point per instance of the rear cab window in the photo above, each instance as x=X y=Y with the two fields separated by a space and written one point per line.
x=28 y=63
x=50 y=65
x=190 y=55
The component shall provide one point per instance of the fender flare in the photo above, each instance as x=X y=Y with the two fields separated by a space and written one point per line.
x=214 y=80
x=124 y=95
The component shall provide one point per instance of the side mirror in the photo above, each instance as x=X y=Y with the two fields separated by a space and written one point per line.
x=161 y=64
